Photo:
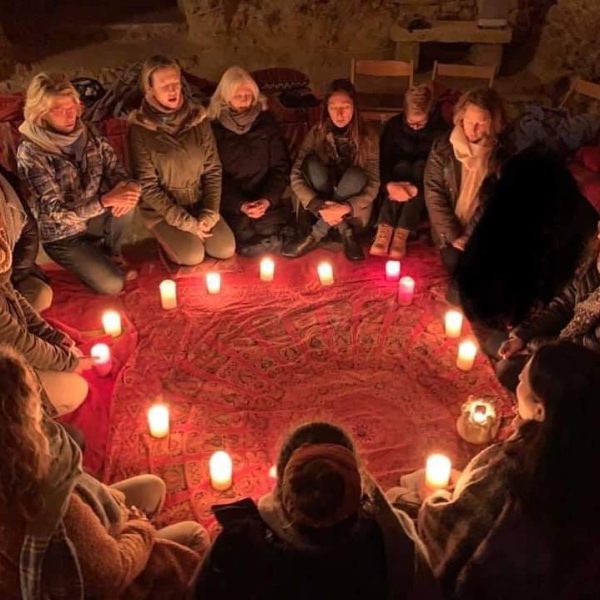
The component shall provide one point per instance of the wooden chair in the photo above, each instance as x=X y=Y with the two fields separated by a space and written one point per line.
x=583 y=87
x=464 y=72
x=381 y=106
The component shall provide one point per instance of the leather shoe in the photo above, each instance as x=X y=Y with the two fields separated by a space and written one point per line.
x=352 y=248
x=300 y=247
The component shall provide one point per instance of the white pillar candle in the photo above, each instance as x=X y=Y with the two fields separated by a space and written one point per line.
x=221 y=470
x=406 y=290
x=158 y=420
x=437 y=471
x=111 y=320
x=267 y=269
x=467 y=351
x=392 y=270
x=453 y=321
x=213 y=283
x=102 y=361
x=273 y=472
x=168 y=294
x=325 y=273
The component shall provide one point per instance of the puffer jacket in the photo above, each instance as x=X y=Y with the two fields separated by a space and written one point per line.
x=180 y=174
x=442 y=187
x=561 y=310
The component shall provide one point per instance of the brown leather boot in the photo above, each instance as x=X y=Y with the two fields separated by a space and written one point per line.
x=381 y=243
x=398 y=245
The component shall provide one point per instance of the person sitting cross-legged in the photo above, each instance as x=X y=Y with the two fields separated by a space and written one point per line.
x=405 y=145
x=326 y=531
x=80 y=194
x=336 y=174
x=64 y=534
x=256 y=164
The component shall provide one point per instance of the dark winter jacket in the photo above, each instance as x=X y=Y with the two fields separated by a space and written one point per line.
x=562 y=310
x=442 y=187
x=255 y=164
x=399 y=142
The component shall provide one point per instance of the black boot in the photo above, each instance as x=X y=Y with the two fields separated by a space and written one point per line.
x=352 y=248
x=300 y=247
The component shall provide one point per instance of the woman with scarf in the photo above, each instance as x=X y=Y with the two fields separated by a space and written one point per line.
x=256 y=165
x=336 y=174
x=174 y=155
x=79 y=193
x=325 y=532
x=405 y=145
x=63 y=534
x=523 y=519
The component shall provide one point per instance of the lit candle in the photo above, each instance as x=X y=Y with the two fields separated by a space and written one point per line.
x=267 y=269
x=406 y=290
x=221 y=469
x=102 y=362
x=273 y=472
x=325 y=273
x=392 y=270
x=437 y=471
x=467 y=351
x=453 y=321
x=481 y=412
x=213 y=283
x=168 y=294
x=111 y=320
x=158 y=420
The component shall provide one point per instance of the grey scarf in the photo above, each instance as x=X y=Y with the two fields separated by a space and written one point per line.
x=239 y=122
x=57 y=143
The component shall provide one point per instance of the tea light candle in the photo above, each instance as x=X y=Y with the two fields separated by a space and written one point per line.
x=221 y=469
x=267 y=269
x=453 y=321
x=325 y=273
x=437 y=471
x=406 y=290
x=102 y=361
x=467 y=351
x=158 y=420
x=111 y=321
x=213 y=283
x=168 y=294
x=392 y=270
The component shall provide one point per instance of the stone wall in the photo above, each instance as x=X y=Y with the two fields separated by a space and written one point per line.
x=569 y=41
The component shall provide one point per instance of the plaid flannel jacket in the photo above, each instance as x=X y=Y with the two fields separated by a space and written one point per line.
x=63 y=195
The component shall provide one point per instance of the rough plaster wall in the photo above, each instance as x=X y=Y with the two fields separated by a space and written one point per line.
x=569 y=41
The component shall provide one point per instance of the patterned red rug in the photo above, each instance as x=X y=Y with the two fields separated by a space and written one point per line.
x=241 y=368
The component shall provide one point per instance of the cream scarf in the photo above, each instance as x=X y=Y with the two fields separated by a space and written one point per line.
x=52 y=141
x=474 y=159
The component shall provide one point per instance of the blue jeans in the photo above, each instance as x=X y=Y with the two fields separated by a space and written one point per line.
x=87 y=255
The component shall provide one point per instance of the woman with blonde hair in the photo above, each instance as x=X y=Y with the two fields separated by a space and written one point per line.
x=81 y=196
x=336 y=174
x=174 y=155
x=405 y=145
x=255 y=162
x=63 y=534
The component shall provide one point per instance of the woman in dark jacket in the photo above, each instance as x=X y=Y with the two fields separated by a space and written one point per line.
x=325 y=532
x=256 y=165
x=405 y=145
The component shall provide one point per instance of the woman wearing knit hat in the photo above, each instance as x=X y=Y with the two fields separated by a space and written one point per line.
x=325 y=532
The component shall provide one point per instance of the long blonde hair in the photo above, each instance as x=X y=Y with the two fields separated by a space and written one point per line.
x=25 y=449
x=230 y=80
x=486 y=99
x=44 y=88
